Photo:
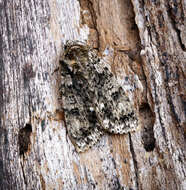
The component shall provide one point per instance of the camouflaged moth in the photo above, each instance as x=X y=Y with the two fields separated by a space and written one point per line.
x=93 y=100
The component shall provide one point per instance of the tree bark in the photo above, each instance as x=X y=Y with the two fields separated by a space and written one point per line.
x=148 y=45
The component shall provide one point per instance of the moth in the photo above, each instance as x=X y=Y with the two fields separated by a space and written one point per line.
x=93 y=101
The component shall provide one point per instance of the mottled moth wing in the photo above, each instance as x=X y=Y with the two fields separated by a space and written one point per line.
x=93 y=100
x=113 y=107
x=81 y=120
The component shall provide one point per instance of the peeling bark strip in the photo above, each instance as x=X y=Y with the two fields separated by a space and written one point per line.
x=31 y=32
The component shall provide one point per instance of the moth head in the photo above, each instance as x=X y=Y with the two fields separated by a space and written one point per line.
x=76 y=55
x=76 y=50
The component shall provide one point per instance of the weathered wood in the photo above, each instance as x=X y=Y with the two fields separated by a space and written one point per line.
x=145 y=43
x=161 y=26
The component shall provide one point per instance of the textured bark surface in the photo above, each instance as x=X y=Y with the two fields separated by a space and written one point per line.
x=145 y=43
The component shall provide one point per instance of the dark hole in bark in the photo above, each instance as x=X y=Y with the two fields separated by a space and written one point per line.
x=24 y=138
x=147 y=133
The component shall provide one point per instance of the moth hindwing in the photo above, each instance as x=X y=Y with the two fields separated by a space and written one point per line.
x=93 y=100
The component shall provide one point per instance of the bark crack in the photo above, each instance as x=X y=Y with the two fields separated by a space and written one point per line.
x=171 y=12
x=134 y=161
x=169 y=98
x=93 y=16
x=23 y=172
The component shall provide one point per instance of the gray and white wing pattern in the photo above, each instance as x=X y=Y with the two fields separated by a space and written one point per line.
x=93 y=100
